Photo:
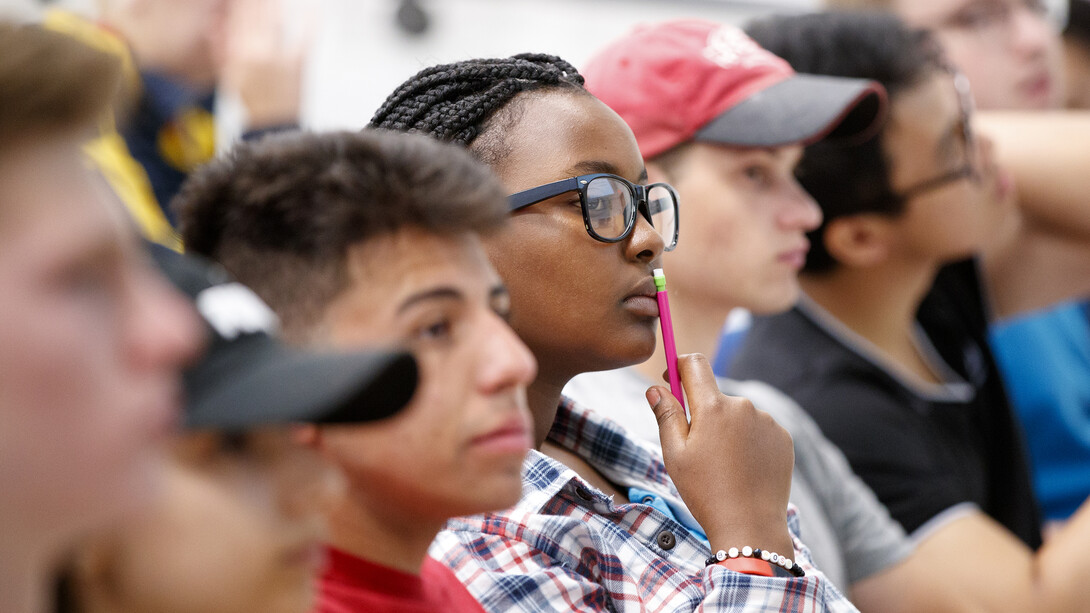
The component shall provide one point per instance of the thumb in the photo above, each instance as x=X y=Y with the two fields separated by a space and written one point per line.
x=673 y=427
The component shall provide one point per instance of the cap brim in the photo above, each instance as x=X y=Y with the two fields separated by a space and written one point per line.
x=282 y=385
x=802 y=109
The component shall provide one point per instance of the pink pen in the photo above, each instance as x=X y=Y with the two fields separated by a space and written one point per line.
x=668 y=337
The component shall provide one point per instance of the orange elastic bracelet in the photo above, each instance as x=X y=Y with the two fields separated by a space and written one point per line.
x=749 y=566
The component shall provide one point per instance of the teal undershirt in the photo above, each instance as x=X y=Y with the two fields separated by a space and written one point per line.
x=651 y=499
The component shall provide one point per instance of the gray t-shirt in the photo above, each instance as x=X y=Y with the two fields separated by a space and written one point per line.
x=849 y=533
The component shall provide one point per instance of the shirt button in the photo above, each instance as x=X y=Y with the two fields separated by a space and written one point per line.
x=584 y=493
x=666 y=539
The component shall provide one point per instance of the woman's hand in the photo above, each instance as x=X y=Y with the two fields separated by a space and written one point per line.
x=732 y=464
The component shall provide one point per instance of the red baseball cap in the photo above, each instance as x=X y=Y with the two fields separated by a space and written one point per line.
x=697 y=80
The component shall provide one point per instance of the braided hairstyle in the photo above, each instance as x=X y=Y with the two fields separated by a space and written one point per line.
x=459 y=102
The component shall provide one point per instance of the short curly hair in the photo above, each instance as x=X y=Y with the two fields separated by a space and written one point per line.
x=281 y=213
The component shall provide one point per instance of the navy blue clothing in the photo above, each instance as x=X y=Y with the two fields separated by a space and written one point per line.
x=923 y=448
x=163 y=101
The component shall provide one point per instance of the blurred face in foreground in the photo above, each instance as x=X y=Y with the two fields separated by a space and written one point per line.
x=92 y=342
x=238 y=529
x=458 y=447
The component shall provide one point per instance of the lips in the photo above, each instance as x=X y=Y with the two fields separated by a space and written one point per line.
x=162 y=408
x=512 y=436
x=643 y=300
x=1037 y=87
x=1004 y=184
x=795 y=258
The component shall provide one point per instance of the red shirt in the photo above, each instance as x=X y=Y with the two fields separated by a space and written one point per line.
x=354 y=585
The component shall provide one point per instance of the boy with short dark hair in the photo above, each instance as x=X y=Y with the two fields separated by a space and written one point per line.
x=371 y=238
x=888 y=350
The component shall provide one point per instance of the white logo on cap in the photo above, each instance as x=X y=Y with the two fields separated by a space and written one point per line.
x=234 y=309
x=728 y=46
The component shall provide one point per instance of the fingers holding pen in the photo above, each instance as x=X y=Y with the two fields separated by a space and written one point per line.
x=732 y=463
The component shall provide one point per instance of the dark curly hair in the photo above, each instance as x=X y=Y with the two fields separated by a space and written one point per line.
x=280 y=213
x=846 y=178
x=461 y=102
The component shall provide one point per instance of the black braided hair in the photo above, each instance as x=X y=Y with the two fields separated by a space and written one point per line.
x=452 y=102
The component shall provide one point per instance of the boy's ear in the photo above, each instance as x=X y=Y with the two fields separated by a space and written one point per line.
x=307 y=435
x=859 y=241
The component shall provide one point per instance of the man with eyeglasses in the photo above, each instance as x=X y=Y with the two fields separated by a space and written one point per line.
x=1039 y=272
x=888 y=348
x=1007 y=48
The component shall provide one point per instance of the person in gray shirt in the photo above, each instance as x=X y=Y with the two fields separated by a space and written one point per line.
x=849 y=532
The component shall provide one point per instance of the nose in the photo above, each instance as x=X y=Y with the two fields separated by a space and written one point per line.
x=645 y=244
x=799 y=210
x=506 y=361
x=1031 y=33
x=163 y=331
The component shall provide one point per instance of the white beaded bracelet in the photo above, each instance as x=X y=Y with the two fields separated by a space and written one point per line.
x=776 y=559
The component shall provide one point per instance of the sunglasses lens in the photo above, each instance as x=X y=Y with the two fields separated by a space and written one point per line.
x=609 y=207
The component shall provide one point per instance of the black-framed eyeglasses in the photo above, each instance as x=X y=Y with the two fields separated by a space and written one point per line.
x=610 y=204
x=968 y=168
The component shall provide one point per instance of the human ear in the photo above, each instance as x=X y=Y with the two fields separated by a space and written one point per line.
x=859 y=241
x=306 y=435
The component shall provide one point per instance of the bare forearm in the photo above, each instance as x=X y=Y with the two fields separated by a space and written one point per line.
x=1062 y=583
x=1048 y=154
x=999 y=573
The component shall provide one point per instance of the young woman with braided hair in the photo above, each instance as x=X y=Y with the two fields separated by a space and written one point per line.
x=600 y=525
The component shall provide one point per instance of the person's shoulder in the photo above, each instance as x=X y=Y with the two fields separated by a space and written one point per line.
x=783 y=350
x=444 y=590
x=776 y=331
x=769 y=399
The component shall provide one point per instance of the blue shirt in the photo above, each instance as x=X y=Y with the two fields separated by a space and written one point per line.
x=1045 y=361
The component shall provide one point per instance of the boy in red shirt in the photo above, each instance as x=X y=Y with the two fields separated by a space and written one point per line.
x=363 y=239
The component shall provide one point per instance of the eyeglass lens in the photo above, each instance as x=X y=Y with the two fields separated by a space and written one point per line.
x=610 y=208
x=660 y=201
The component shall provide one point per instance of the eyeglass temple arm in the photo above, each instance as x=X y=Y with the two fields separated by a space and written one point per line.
x=954 y=175
x=542 y=192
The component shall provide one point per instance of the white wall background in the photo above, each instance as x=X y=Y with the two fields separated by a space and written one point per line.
x=360 y=54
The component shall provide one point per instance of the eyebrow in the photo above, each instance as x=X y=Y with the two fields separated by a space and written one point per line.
x=438 y=293
x=592 y=166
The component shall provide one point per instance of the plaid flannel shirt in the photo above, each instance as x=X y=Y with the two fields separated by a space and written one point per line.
x=566 y=546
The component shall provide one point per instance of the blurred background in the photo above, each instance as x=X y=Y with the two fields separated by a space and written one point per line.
x=362 y=49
